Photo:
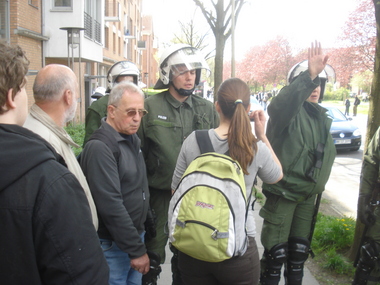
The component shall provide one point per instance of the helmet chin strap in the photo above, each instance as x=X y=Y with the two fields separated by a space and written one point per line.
x=183 y=92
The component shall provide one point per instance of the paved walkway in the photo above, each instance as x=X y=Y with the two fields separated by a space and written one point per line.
x=166 y=279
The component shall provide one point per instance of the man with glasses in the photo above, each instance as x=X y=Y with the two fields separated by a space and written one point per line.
x=115 y=169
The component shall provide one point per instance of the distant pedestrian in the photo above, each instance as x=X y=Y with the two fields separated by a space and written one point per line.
x=347 y=103
x=356 y=104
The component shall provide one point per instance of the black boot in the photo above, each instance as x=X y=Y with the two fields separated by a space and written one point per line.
x=369 y=254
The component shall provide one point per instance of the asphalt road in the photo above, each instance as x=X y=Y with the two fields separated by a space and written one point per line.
x=342 y=189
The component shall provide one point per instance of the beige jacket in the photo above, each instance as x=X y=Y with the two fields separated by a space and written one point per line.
x=40 y=123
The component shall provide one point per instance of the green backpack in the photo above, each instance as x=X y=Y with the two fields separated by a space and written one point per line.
x=208 y=210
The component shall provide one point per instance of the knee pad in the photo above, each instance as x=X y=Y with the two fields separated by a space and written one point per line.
x=299 y=249
x=369 y=255
x=273 y=260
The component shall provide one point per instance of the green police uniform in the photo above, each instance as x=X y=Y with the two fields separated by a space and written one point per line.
x=95 y=112
x=298 y=131
x=162 y=132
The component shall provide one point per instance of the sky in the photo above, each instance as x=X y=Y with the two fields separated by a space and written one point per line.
x=300 y=21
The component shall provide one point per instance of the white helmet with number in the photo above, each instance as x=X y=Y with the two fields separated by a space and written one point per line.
x=122 y=68
x=327 y=75
x=178 y=59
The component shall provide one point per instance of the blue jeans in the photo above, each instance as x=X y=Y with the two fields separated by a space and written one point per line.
x=119 y=263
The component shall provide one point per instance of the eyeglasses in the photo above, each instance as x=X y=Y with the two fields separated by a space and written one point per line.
x=133 y=112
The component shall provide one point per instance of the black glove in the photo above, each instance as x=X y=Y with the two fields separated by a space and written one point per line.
x=154 y=269
x=150 y=225
x=366 y=216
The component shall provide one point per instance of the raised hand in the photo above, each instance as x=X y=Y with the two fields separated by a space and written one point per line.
x=316 y=60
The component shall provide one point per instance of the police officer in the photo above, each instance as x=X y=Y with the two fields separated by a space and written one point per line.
x=172 y=115
x=298 y=130
x=370 y=250
x=120 y=71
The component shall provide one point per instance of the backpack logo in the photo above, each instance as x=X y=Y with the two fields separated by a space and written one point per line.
x=204 y=205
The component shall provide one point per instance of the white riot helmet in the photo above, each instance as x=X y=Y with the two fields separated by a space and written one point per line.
x=327 y=75
x=178 y=59
x=122 y=68
x=99 y=92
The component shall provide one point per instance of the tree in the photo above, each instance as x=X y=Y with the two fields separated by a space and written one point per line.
x=220 y=22
x=358 y=43
x=268 y=64
x=192 y=36
x=373 y=117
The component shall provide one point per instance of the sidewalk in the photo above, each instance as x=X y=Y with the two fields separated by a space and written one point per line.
x=166 y=279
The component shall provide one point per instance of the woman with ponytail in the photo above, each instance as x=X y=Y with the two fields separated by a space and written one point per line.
x=256 y=157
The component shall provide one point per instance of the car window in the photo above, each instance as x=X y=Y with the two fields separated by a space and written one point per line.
x=336 y=115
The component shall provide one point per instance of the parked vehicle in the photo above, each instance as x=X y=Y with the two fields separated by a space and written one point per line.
x=345 y=133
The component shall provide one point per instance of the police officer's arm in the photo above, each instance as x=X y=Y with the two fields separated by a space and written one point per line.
x=141 y=134
x=287 y=104
x=215 y=118
x=92 y=123
x=371 y=163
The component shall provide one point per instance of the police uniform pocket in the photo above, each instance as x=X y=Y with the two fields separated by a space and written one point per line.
x=272 y=217
x=201 y=121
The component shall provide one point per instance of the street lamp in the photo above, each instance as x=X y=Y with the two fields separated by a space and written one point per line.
x=73 y=42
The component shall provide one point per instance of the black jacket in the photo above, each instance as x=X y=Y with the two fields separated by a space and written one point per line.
x=46 y=232
x=120 y=190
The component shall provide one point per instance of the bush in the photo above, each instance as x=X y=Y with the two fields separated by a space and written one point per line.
x=338 y=95
x=76 y=132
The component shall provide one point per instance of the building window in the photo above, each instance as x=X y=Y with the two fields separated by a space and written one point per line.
x=63 y=5
x=33 y=3
x=4 y=20
x=106 y=37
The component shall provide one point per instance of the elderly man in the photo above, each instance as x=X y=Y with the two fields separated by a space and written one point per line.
x=115 y=169
x=46 y=232
x=55 y=92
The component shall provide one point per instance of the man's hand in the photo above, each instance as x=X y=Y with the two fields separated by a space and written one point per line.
x=316 y=60
x=141 y=264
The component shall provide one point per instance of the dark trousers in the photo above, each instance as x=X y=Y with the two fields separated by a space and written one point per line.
x=242 y=270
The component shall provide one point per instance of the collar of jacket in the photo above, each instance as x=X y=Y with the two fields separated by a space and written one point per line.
x=175 y=103
x=314 y=109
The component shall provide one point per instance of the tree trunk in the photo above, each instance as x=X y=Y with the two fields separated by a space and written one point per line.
x=218 y=70
x=373 y=120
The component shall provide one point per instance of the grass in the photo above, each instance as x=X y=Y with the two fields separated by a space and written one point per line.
x=332 y=239
x=362 y=108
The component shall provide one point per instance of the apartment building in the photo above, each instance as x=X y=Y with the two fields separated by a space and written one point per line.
x=89 y=36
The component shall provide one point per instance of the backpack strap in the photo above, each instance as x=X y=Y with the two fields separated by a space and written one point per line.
x=113 y=145
x=204 y=141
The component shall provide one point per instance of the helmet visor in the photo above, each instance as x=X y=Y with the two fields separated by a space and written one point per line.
x=185 y=60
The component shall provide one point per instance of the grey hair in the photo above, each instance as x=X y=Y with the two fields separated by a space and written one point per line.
x=51 y=87
x=119 y=89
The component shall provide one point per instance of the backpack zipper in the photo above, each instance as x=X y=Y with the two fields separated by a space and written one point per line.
x=215 y=230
